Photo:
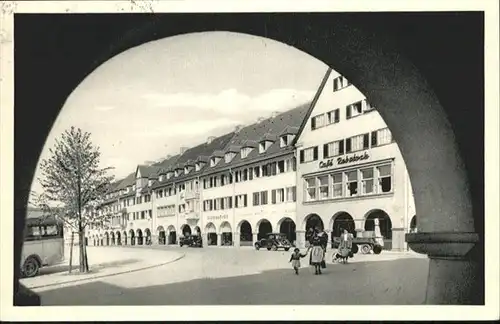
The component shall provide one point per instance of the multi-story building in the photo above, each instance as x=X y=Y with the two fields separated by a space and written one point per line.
x=330 y=163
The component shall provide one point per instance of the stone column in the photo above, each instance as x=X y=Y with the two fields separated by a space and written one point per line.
x=204 y=239
x=155 y=239
x=219 y=239
x=236 y=239
x=301 y=239
x=254 y=238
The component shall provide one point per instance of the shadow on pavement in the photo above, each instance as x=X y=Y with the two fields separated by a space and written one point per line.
x=94 y=268
x=396 y=282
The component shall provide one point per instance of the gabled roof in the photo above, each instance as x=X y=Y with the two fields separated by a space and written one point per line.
x=252 y=134
x=289 y=130
x=148 y=171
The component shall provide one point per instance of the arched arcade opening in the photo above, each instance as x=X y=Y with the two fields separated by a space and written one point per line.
x=106 y=238
x=385 y=226
x=287 y=226
x=342 y=221
x=246 y=236
x=226 y=234
x=140 y=238
x=265 y=228
x=112 y=235
x=148 y=238
x=118 y=238
x=197 y=231
x=125 y=238
x=313 y=221
x=132 y=237
x=172 y=235
x=211 y=234
x=162 y=237
x=186 y=230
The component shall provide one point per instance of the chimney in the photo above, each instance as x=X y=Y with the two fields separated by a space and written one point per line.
x=238 y=128
x=260 y=119
x=183 y=149
x=274 y=114
x=210 y=139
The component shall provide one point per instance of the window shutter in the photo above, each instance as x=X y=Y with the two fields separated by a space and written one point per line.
x=325 y=151
x=250 y=174
x=273 y=168
x=348 y=112
x=348 y=145
x=337 y=115
x=374 y=139
x=294 y=164
x=294 y=193
x=245 y=200
x=315 y=153
x=236 y=201
x=313 y=123
x=273 y=196
x=230 y=202
x=366 y=140
x=302 y=156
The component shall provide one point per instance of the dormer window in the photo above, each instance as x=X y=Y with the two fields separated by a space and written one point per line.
x=264 y=145
x=127 y=190
x=214 y=161
x=197 y=166
x=245 y=151
x=176 y=173
x=169 y=175
x=187 y=169
x=150 y=183
x=229 y=157
x=161 y=177
x=285 y=140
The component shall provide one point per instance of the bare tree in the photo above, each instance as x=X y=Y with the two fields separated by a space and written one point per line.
x=74 y=184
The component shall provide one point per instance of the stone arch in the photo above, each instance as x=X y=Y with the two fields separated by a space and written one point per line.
x=106 y=238
x=186 y=230
x=118 y=238
x=112 y=238
x=131 y=234
x=385 y=225
x=125 y=238
x=139 y=236
x=287 y=226
x=147 y=236
x=340 y=221
x=197 y=230
x=172 y=235
x=263 y=227
x=162 y=237
x=244 y=228
x=211 y=232
x=226 y=233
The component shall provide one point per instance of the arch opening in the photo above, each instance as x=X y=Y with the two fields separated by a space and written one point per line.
x=125 y=238
x=342 y=221
x=265 y=228
x=162 y=237
x=313 y=221
x=172 y=235
x=384 y=228
x=112 y=235
x=118 y=238
x=106 y=238
x=197 y=230
x=186 y=230
x=226 y=234
x=147 y=234
x=140 y=238
x=132 y=237
x=287 y=226
x=246 y=236
x=211 y=234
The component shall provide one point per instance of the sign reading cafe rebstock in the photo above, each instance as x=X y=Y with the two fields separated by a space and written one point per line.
x=344 y=160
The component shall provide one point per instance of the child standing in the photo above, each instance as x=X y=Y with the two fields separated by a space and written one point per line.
x=295 y=259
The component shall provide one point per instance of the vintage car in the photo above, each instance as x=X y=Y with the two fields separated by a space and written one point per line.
x=274 y=241
x=191 y=241
x=365 y=244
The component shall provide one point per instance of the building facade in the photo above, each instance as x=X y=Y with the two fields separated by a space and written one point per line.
x=330 y=163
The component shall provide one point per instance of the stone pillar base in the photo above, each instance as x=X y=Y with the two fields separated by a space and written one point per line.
x=254 y=238
x=236 y=239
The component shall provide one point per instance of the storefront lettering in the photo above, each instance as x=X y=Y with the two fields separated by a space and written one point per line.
x=218 y=217
x=344 y=160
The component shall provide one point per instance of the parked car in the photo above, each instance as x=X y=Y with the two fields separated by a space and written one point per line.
x=365 y=244
x=191 y=241
x=274 y=241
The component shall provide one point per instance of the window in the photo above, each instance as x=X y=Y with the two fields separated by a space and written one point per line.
x=256 y=171
x=197 y=167
x=281 y=166
x=352 y=183
x=245 y=152
x=263 y=198
x=323 y=187
x=264 y=145
x=214 y=161
x=256 y=198
x=385 y=178
x=169 y=175
x=333 y=116
x=310 y=189
x=240 y=201
x=286 y=140
x=318 y=121
x=340 y=82
x=309 y=154
x=291 y=194
x=381 y=137
x=337 y=185
x=354 y=110
x=147 y=198
x=357 y=143
x=229 y=157
x=367 y=181
x=277 y=196
x=333 y=149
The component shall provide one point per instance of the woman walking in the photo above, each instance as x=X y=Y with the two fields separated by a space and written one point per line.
x=345 y=246
x=317 y=254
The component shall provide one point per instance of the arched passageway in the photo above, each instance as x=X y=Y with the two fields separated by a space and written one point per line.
x=313 y=221
x=186 y=230
x=342 y=221
x=226 y=234
x=131 y=234
x=246 y=233
x=265 y=228
x=197 y=230
x=172 y=235
x=118 y=238
x=125 y=242
x=106 y=238
x=211 y=234
x=287 y=226
x=162 y=237
x=112 y=235
x=95 y=241
x=413 y=224
x=385 y=226
x=148 y=238
x=140 y=239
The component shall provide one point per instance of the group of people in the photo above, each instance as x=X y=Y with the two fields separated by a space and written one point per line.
x=318 y=240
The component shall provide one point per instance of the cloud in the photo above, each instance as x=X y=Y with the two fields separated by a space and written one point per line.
x=195 y=127
x=230 y=101
x=104 y=108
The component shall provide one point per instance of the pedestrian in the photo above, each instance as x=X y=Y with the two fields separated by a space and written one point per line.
x=345 y=246
x=317 y=255
x=295 y=259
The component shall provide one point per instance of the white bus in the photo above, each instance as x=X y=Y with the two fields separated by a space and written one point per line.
x=43 y=245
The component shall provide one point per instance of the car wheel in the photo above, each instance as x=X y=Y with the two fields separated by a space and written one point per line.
x=274 y=248
x=355 y=248
x=257 y=246
x=365 y=249
x=377 y=249
x=286 y=249
x=31 y=267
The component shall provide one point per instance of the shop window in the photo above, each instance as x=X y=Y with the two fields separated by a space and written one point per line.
x=352 y=183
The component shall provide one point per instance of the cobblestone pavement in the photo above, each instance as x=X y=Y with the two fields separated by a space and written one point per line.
x=230 y=276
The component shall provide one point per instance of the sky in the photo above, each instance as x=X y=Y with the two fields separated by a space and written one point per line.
x=149 y=101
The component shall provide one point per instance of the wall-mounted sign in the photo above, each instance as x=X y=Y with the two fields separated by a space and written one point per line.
x=344 y=160
x=218 y=217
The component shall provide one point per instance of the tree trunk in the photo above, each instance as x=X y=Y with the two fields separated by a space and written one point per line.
x=83 y=258
x=71 y=251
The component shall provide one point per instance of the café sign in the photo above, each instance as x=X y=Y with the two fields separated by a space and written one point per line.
x=344 y=160
x=218 y=217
